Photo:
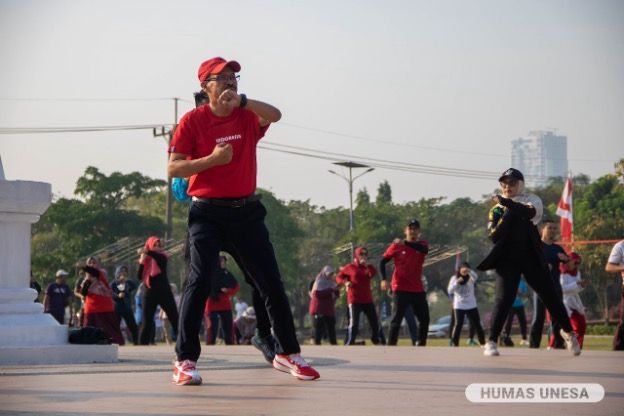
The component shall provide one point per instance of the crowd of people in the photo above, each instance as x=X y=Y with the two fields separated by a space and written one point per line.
x=106 y=304
x=213 y=152
x=146 y=307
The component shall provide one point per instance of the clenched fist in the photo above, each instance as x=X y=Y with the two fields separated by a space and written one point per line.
x=222 y=154
x=229 y=98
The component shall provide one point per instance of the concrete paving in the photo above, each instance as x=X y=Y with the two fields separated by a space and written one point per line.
x=354 y=381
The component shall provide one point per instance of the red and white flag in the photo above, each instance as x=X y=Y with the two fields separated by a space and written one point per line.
x=564 y=210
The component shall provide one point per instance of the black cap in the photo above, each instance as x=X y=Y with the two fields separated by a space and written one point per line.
x=413 y=223
x=512 y=173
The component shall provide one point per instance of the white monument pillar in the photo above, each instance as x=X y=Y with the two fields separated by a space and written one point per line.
x=27 y=335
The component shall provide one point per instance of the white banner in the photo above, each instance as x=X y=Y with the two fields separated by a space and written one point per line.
x=535 y=393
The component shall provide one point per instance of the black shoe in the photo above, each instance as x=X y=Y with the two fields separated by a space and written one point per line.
x=508 y=342
x=265 y=345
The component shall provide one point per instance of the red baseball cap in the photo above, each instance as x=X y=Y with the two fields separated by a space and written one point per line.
x=215 y=66
x=574 y=256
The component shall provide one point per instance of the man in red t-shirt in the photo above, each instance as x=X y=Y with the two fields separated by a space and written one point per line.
x=356 y=277
x=215 y=145
x=407 y=281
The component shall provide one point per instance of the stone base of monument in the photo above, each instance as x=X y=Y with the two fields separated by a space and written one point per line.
x=27 y=335
x=35 y=339
x=58 y=354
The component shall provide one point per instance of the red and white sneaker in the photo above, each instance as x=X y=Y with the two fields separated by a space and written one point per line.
x=185 y=374
x=295 y=365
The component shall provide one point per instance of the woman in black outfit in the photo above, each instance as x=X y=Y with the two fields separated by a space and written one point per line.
x=153 y=272
x=517 y=251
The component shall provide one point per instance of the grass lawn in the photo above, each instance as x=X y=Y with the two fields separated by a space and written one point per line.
x=591 y=342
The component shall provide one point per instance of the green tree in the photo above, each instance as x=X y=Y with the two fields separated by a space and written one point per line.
x=111 y=191
x=362 y=198
x=619 y=170
x=384 y=194
x=70 y=228
x=599 y=215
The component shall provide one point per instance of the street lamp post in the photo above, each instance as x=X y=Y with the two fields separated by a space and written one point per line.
x=350 y=180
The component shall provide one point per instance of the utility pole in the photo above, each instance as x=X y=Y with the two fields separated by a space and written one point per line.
x=168 y=135
x=350 y=180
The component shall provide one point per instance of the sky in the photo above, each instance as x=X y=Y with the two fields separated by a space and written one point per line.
x=445 y=83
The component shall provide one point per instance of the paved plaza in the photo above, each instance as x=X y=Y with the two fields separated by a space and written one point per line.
x=354 y=381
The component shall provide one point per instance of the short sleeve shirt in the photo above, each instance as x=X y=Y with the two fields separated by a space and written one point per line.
x=617 y=256
x=58 y=296
x=408 y=266
x=197 y=135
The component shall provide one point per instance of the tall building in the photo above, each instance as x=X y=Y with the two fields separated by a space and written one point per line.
x=541 y=155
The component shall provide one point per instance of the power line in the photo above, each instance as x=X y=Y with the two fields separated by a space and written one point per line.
x=87 y=99
x=289 y=149
x=369 y=139
x=440 y=149
x=315 y=129
x=36 y=130
x=390 y=165
x=406 y=164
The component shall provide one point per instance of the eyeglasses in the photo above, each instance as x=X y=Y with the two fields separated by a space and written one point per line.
x=509 y=182
x=224 y=78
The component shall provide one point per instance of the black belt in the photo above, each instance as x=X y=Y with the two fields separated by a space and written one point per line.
x=229 y=202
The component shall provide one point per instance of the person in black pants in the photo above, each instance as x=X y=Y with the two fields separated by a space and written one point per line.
x=471 y=328
x=554 y=255
x=215 y=145
x=123 y=295
x=461 y=286
x=407 y=281
x=517 y=251
x=263 y=340
x=323 y=294
x=356 y=277
x=153 y=273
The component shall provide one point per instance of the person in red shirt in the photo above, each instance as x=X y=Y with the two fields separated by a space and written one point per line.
x=323 y=295
x=356 y=277
x=99 y=311
x=407 y=281
x=215 y=145
x=219 y=305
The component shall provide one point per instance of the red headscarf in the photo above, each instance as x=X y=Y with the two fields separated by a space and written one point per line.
x=358 y=252
x=150 y=266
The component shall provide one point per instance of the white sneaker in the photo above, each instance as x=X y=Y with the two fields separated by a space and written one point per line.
x=490 y=349
x=524 y=342
x=185 y=373
x=571 y=341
